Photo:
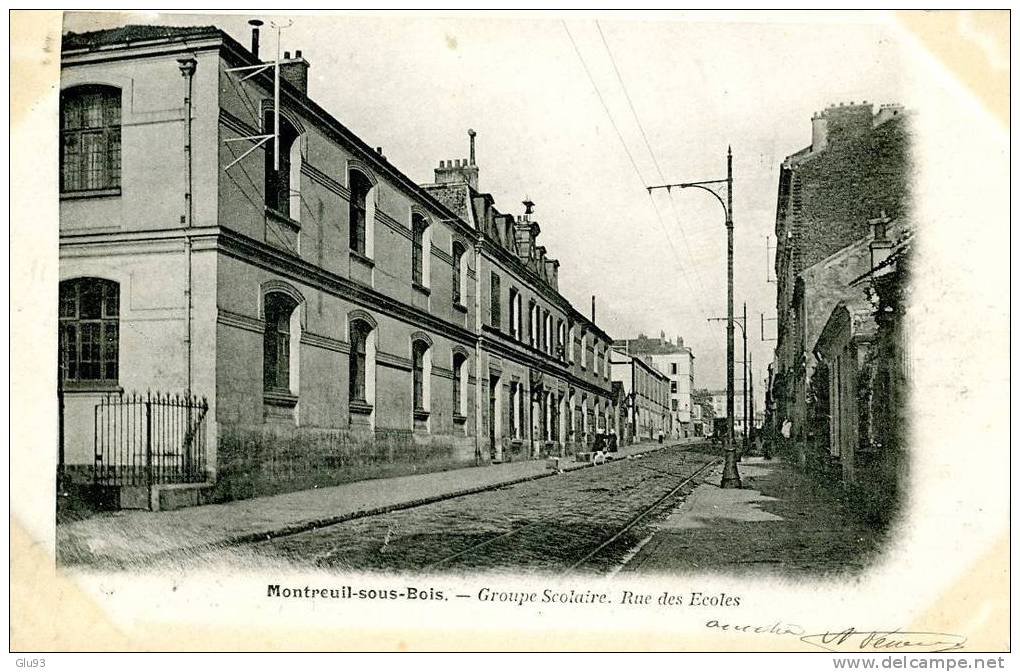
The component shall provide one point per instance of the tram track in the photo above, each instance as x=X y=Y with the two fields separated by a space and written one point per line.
x=576 y=530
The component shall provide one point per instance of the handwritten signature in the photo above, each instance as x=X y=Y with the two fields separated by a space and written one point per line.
x=852 y=639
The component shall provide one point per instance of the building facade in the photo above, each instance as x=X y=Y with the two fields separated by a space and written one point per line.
x=864 y=370
x=340 y=320
x=719 y=408
x=836 y=198
x=676 y=361
x=647 y=395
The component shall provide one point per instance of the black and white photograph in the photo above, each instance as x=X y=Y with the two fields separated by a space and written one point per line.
x=657 y=331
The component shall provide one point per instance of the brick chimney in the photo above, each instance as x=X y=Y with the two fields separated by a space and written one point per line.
x=846 y=122
x=460 y=171
x=296 y=71
x=887 y=111
x=819 y=132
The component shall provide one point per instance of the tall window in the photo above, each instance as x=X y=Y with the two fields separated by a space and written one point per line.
x=357 y=366
x=418 y=225
x=515 y=316
x=495 y=312
x=458 y=384
x=360 y=186
x=90 y=138
x=276 y=345
x=532 y=323
x=672 y=368
x=458 y=273
x=279 y=182
x=89 y=329
x=418 y=350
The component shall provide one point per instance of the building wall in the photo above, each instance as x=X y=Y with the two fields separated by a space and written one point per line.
x=856 y=169
x=240 y=252
x=647 y=393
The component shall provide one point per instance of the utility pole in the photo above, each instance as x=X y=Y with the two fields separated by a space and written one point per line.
x=750 y=387
x=730 y=477
x=747 y=370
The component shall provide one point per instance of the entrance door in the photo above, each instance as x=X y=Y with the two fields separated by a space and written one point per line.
x=493 y=391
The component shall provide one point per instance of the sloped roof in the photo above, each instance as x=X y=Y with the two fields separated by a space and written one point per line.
x=134 y=33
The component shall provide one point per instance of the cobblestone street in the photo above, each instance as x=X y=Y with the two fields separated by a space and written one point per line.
x=549 y=525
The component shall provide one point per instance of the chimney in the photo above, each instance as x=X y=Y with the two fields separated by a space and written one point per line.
x=593 y=309
x=295 y=70
x=818 y=132
x=458 y=171
x=255 y=23
x=881 y=247
x=846 y=122
x=886 y=112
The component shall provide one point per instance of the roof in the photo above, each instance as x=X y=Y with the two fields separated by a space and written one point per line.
x=642 y=345
x=134 y=33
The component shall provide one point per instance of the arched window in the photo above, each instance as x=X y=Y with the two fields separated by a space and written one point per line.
x=283 y=185
x=360 y=332
x=459 y=274
x=459 y=384
x=418 y=226
x=419 y=375
x=276 y=350
x=89 y=326
x=90 y=138
x=360 y=186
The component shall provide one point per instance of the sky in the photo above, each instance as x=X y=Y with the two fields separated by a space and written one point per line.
x=581 y=112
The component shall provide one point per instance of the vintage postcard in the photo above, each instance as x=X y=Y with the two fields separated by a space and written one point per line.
x=510 y=331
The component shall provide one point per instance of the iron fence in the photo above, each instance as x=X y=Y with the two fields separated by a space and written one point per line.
x=151 y=438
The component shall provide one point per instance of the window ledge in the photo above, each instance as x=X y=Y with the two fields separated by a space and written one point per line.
x=89 y=193
x=92 y=387
x=360 y=407
x=460 y=307
x=278 y=216
x=459 y=419
x=361 y=258
x=421 y=414
x=421 y=289
x=281 y=398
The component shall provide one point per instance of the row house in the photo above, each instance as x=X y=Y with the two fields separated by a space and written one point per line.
x=546 y=386
x=832 y=194
x=676 y=360
x=297 y=311
x=646 y=393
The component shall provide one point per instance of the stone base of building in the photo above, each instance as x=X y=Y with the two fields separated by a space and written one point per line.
x=266 y=460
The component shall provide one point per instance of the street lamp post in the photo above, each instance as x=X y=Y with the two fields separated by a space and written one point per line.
x=730 y=476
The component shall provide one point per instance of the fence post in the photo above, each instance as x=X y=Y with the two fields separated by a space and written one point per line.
x=148 y=441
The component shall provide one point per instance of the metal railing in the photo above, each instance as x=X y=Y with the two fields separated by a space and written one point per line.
x=151 y=438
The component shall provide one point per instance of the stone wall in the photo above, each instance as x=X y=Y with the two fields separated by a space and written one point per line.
x=268 y=459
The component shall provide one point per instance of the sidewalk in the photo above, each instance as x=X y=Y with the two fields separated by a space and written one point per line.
x=779 y=521
x=130 y=537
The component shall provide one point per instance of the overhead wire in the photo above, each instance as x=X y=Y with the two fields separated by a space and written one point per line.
x=651 y=153
x=633 y=163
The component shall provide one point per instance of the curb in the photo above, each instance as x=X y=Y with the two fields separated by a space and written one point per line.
x=309 y=525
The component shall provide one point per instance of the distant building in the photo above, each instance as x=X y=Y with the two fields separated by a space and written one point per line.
x=676 y=361
x=646 y=393
x=719 y=407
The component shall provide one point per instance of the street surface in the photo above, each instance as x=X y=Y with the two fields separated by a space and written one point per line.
x=577 y=520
